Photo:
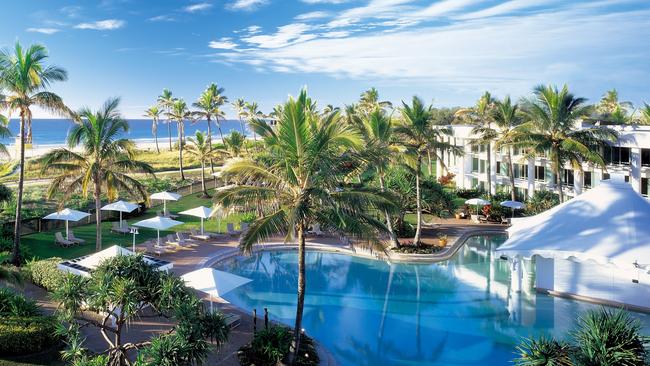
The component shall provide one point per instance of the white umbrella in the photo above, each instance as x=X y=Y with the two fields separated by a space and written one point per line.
x=213 y=282
x=120 y=206
x=514 y=205
x=478 y=202
x=158 y=223
x=201 y=211
x=165 y=196
x=67 y=214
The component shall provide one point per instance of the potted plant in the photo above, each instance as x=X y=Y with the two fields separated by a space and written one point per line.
x=442 y=240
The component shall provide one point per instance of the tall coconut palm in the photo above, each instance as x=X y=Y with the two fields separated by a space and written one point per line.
x=234 y=143
x=154 y=113
x=200 y=148
x=252 y=113
x=369 y=101
x=300 y=184
x=551 y=117
x=419 y=137
x=506 y=117
x=239 y=105
x=25 y=77
x=103 y=163
x=644 y=114
x=166 y=101
x=610 y=102
x=180 y=113
x=480 y=117
x=209 y=104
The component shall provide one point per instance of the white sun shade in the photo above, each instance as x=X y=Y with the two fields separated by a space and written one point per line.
x=166 y=196
x=213 y=282
x=67 y=214
x=513 y=204
x=158 y=223
x=477 y=201
x=201 y=211
x=121 y=206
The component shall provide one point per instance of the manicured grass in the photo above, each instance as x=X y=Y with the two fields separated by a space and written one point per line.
x=42 y=244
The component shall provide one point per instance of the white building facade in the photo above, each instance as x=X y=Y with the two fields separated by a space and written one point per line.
x=628 y=157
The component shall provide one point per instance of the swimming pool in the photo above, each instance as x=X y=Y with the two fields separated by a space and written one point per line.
x=366 y=312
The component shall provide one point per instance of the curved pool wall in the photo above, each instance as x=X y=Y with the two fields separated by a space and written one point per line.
x=367 y=312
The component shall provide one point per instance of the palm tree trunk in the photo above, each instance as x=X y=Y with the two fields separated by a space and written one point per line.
x=205 y=191
x=394 y=243
x=169 y=132
x=429 y=164
x=241 y=123
x=489 y=169
x=558 y=180
x=180 y=149
x=220 y=133
x=28 y=130
x=15 y=254
x=155 y=135
x=210 y=144
x=297 y=330
x=98 y=215
x=511 y=175
x=418 y=227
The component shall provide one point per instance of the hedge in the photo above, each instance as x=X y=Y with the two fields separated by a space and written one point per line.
x=45 y=274
x=25 y=335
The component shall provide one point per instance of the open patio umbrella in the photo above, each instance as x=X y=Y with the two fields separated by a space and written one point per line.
x=213 y=282
x=201 y=211
x=477 y=202
x=67 y=214
x=120 y=206
x=165 y=196
x=158 y=223
x=514 y=205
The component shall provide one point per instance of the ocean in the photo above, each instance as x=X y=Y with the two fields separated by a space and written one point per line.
x=52 y=132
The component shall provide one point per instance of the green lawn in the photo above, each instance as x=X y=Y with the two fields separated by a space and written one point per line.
x=42 y=244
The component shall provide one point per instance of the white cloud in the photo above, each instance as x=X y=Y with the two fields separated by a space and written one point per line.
x=325 y=1
x=246 y=5
x=71 y=11
x=108 y=24
x=505 y=8
x=313 y=15
x=286 y=35
x=162 y=18
x=224 y=43
x=43 y=30
x=197 y=7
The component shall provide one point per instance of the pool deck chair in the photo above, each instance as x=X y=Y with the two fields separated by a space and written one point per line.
x=315 y=230
x=61 y=241
x=116 y=228
x=231 y=229
x=232 y=320
x=197 y=235
x=73 y=238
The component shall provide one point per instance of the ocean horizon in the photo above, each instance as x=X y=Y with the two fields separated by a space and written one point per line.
x=46 y=132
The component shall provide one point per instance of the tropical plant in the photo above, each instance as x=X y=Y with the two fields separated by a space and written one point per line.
x=103 y=163
x=543 y=351
x=613 y=111
x=25 y=77
x=166 y=101
x=270 y=346
x=419 y=138
x=481 y=117
x=541 y=201
x=253 y=113
x=209 y=107
x=506 y=117
x=154 y=113
x=644 y=117
x=200 y=148
x=369 y=101
x=234 y=143
x=239 y=105
x=551 y=116
x=117 y=291
x=299 y=183
x=178 y=112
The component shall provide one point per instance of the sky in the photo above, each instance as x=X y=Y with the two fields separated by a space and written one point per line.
x=446 y=51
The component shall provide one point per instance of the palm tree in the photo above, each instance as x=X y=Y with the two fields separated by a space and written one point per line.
x=178 y=112
x=208 y=105
x=419 y=138
x=369 y=101
x=26 y=78
x=299 y=182
x=234 y=143
x=103 y=163
x=253 y=112
x=240 y=107
x=609 y=103
x=550 y=128
x=506 y=117
x=644 y=117
x=480 y=117
x=199 y=148
x=154 y=113
x=165 y=101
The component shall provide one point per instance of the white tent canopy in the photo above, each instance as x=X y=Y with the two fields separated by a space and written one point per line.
x=121 y=206
x=66 y=215
x=165 y=196
x=213 y=282
x=607 y=224
x=83 y=265
x=201 y=212
x=158 y=223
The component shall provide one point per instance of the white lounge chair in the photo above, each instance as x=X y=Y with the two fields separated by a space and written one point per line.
x=61 y=241
x=116 y=228
x=315 y=230
x=198 y=236
x=73 y=238
x=231 y=229
x=184 y=240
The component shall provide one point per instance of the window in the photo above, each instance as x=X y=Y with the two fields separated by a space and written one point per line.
x=521 y=194
x=605 y=176
x=474 y=182
x=617 y=155
x=627 y=179
x=645 y=157
x=475 y=165
x=540 y=173
x=521 y=171
x=645 y=182
x=498 y=167
x=567 y=178
x=474 y=149
x=587 y=182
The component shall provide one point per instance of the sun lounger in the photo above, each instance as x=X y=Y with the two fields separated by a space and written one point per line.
x=153 y=248
x=61 y=241
x=116 y=228
x=198 y=236
x=184 y=240
x=232 y=320
x=73 y=238
x=231 y=229
x=315 y=230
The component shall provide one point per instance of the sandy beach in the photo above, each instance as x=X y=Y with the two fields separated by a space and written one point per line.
x=37 y=150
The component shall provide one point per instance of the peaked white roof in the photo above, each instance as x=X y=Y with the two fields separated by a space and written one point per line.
x=213 y=282
x=95 y=259
x=158 y=223
x=200 y=211
x=67 y=214
x=608 y=224
x=165 y=196
x=122 y=206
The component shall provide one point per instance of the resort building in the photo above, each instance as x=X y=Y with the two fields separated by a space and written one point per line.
x=628 y=157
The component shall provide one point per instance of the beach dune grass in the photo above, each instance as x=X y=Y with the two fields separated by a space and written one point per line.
x=42 y=244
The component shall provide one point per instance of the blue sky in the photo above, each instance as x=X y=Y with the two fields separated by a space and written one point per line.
x=446 y=51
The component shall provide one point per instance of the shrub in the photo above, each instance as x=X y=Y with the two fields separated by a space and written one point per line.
x=44 y=273
x=447 y=179
x=25 y=335
x=271 y=346
x=16 y=305
x=541 y=201
x=469 y=192
x=248 y=217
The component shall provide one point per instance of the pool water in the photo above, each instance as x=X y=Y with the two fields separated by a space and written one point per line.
x=366 y=312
